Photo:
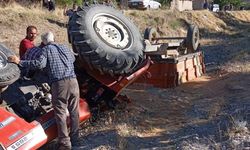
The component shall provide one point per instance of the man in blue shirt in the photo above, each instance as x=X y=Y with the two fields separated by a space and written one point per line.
x=57 y=60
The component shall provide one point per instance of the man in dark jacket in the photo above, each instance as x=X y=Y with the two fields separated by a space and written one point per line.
x=70 y=12
x=51 y=5
x=57 y=60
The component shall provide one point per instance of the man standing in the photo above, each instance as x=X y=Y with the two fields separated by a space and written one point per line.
x=28 y=41
x=57 y=60
x=70 y=12
x=51 y=5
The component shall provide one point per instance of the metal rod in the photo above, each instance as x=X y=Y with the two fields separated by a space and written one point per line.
x=168 y=38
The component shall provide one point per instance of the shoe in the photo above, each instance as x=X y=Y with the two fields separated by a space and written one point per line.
x=63 y=147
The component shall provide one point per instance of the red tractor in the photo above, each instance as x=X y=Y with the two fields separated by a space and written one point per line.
x=109 y=51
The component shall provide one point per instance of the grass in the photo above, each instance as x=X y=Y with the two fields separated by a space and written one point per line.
x=159 y=20
x=134 y=14
x=15 y=19
x=175 y=24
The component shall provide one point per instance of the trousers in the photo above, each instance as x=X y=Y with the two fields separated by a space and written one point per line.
x=65 y=97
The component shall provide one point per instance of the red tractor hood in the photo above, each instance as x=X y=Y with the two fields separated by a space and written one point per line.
x=16 y=133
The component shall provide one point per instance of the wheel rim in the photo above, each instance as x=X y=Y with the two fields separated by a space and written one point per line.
x=153 y=34
x=112 y=31
x=196 y=36
x=3 y=60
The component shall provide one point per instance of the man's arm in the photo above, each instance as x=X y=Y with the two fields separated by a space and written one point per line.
x=65 y=10
x=32 y=64
x=39 y=63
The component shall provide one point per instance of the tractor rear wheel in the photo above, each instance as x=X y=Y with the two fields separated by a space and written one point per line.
x=106 y=39
x=9 y=72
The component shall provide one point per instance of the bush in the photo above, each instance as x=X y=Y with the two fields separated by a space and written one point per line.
x=235 y=3
x=165 y=3
x=246 y=6
x=68 y=2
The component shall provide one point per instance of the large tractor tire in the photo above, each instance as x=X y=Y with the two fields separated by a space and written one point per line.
x=9 y=72
x=193 y=37
x=106 y=39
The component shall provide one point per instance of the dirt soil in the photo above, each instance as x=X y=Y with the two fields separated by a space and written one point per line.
x=211 y=112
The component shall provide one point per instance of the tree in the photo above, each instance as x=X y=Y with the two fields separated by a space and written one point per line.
x=236 y=3
x=165 y=2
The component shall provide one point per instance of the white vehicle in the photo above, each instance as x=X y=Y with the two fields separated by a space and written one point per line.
x=216 y=8
x=144 y=4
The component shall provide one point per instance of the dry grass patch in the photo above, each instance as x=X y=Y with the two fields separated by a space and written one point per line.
x=14 y=20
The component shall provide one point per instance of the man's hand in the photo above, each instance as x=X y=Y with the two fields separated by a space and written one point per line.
x=14 y=59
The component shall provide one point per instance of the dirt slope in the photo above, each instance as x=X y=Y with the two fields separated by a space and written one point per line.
x=211 y=112
x=15 y=19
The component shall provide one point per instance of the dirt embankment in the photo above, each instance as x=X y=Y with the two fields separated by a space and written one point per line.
x=14 y=20
x=209 y=113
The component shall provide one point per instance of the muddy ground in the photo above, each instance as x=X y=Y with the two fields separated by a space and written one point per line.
x=211 y=112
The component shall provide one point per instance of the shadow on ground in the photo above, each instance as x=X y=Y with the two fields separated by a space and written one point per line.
x=60 y=24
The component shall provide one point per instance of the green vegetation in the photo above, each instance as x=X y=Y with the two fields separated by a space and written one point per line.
x=175 y=24
x=68 y=2
x=235 y=3
x=246 y=5
x=165 y=2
